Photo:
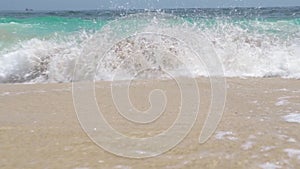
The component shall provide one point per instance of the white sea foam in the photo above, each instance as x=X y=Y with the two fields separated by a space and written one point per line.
x=267 y=148
x=268 y=165
x=242 y=53
x=122 y=167
x=282 y=103
x=293 y=153
x=220 y=135
x=292 y=118
x=247 y=145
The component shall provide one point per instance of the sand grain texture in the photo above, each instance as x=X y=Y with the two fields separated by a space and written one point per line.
x=39 y=127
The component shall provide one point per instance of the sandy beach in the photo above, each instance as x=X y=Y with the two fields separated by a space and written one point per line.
x=259 y=129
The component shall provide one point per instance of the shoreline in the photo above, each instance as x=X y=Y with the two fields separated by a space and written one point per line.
x=39 y=127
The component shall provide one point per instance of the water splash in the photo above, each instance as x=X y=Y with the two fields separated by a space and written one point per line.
x=246 y=47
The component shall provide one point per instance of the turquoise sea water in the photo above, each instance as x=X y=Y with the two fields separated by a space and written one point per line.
x=242 y=37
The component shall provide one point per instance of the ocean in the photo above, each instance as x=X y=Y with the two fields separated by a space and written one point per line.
x=190 y=88
x=44 y=46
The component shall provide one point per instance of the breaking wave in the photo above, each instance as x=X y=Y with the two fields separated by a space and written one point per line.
x=246 y=48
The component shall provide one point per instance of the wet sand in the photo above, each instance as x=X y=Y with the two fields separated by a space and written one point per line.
x=259 y=129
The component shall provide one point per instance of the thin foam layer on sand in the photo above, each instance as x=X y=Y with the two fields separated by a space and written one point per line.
x=39 y=127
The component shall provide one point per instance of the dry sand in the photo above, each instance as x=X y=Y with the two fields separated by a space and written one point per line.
x=39 y=127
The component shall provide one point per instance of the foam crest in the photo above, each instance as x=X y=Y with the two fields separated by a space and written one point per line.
x=249 y=48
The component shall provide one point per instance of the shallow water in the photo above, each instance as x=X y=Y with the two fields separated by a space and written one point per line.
x=43 y=46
